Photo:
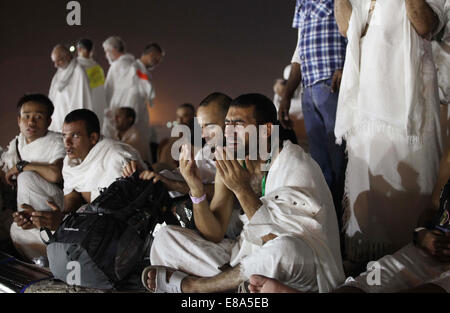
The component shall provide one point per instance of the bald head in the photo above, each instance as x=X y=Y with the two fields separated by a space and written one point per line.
x=61 y=56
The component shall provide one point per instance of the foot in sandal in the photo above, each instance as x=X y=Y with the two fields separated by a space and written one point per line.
x=160 y=279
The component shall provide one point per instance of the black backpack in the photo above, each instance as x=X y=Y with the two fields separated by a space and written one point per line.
x=101 y=246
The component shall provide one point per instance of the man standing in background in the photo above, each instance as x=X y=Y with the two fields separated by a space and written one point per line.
x=128 y=82
x=96 y=76
x=317 y=63
x=69 y=89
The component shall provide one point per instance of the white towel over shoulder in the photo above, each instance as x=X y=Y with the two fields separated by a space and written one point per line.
x=101 y=167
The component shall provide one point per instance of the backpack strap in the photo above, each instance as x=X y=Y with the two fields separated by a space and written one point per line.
x=17 y=149
x=51 y=237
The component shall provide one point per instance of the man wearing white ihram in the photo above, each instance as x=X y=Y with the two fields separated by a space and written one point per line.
x=69 y=89
x=128 y=84
x=388 y=112
x=33 y=162
x=290 y=227
x=96 y=76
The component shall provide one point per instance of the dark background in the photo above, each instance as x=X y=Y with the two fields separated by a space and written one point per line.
x=233 y=46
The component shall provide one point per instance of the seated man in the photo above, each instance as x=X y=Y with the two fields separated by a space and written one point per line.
x=33 y=164
x=91 y=164
x=211 y=115
x=185 y=116
x=421 y=266
x=127 y=132
x=290 y=231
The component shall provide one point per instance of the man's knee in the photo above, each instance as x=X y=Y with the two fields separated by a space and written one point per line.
x=284 y=258
x=164 y=237
x=166 y=232
x=34 y=190
x=28 y=180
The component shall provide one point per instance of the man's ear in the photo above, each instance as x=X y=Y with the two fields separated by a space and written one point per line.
x=49 y=122
x=94 y=137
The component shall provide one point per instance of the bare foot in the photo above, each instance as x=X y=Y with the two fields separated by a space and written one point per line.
x=262 y=284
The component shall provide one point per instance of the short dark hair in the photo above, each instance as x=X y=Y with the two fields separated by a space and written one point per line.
x=220 y=98
x=153 y=46
x=187 y=105
x=85 y=43
x=87 y=116
x=129 y=113
x=38 y=98
x=264 y=109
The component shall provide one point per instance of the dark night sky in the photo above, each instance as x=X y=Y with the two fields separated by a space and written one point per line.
x=234 y=46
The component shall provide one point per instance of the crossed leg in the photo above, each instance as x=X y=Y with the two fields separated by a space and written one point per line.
x=228 y=280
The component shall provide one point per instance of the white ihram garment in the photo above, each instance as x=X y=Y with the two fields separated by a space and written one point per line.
x=297 y=208
x=96 y=78
x=441 y=53
x=388 y=112
x=128 y=85
x=101 y=167
x=69 y=91
x=32 y=189
x=47 y=150
x=407 y=268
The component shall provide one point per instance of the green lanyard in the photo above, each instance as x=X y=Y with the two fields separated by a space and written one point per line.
x=263 y=181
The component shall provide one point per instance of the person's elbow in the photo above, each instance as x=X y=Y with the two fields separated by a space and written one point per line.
x=215 y=237
x=426 y=30
x=55 y=178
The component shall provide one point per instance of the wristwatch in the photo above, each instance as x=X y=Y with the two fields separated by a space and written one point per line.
x=416 y=233
x=20 y=165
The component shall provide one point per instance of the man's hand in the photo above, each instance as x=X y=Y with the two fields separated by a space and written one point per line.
x=189 y=170
x=336 y=81
x=23 y=218
x=233 y=175
x=50 y=220
x=283 y=112
x=10 y=174
x=155 y=177
x=435 y=243
x=129 y=168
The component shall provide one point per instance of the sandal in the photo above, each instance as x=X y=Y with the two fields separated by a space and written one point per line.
x=162 y=286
